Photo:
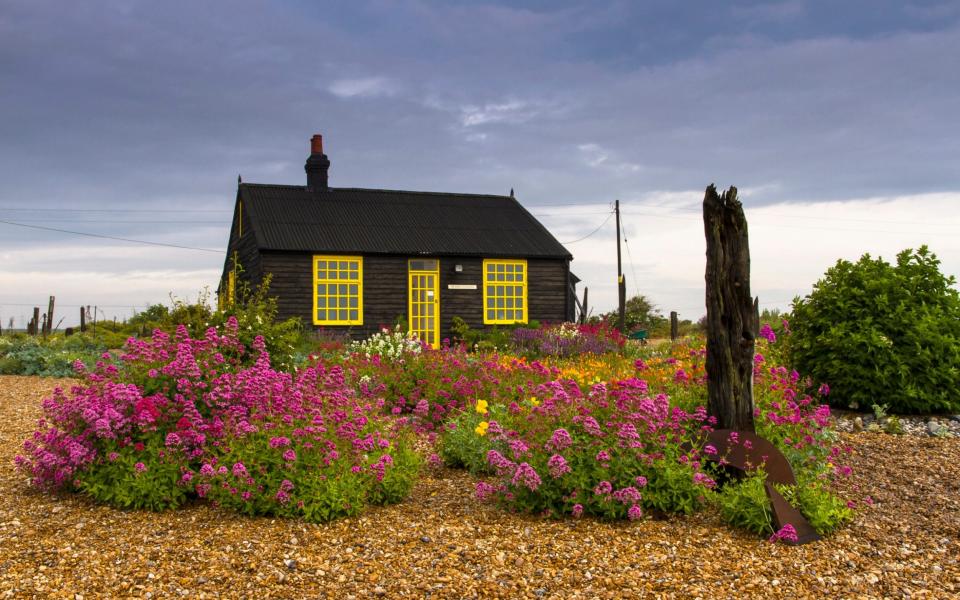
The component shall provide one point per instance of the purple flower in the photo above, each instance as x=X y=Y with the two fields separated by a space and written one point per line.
x=641 y=481
x=603 y=488
x=558 y=466
x=591 y=426
x=603 y=456
x=484 y=490
x=627 y=495
x=824 y=389
x=290 y=455
x=577 y=511
x=634 y=512
x=526 y=476
x=767 y=332
x=140 y=467
x=279 y=442
x=239 y=470
x=560 y=440
x=787 y=533
x=207 y=470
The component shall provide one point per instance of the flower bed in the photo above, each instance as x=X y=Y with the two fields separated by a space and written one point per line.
x=180 y=417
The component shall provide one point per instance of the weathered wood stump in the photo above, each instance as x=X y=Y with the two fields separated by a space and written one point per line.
x=733 y=320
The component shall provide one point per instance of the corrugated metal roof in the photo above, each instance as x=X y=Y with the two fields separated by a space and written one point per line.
x=394 y=222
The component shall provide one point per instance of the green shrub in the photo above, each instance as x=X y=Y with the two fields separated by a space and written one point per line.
x=885 y=333
x=53 y=356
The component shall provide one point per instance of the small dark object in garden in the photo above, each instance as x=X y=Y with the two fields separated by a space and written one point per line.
x=744 y=451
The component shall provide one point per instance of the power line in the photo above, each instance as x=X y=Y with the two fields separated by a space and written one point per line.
x=116 y=210
x=592 y=232
x=123 y=222
x=110 y=237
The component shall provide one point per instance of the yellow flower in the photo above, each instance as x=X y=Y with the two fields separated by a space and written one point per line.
x=534 y=402
x=482 y=407
x=481 y=428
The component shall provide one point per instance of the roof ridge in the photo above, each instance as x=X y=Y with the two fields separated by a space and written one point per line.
x=358 y=189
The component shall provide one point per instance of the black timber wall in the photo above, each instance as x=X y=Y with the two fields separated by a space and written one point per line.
x=385 y=290
x=248 y=255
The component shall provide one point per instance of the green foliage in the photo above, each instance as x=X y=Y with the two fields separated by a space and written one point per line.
x=744 y=504
x=310 y=486
x=876 y=331
x=117 y=481
x=53 y=356
x=639 y=313
x=461 y=447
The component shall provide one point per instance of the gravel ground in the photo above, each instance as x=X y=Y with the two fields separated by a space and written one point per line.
x=441 y=543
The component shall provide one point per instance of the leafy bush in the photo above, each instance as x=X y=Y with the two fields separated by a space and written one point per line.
x=53 y=356
x=883 y=333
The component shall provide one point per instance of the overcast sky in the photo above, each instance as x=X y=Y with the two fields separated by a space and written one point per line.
x=838 y=121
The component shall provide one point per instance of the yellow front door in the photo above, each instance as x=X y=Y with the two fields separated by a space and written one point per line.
x=424 y=302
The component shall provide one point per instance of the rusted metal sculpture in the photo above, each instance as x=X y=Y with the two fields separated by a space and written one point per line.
x=746 y=451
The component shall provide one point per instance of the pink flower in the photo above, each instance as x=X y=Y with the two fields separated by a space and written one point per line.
x=634 y=512
x=290 y=455
x=558 y=466
x=485 y=490
x=787 y=533
x=140 y=467
x=577 y=511
x=526 y=476
x=641 y=481
x=603 y=488
x=560 y=440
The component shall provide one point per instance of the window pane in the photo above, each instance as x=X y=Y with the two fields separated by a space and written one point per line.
x=499 y=290
x=510 y=315
x=354 y=289
x=320 y=314
x=331 y=315
x=491 y=315
x=491 y=302
x=491 y=290
x=321 y=302
x=519 y=276
x=500 y=268
x=509 y=268
x=518 y=290
x=519 y=302
x=354 y=302
x=499 y=302
x=353 y=274
x=321 y=274
x=354 y=315
x=509 y=303
x=332 y=275
x=343 y=265
x=343 y=315
x=500 y=277
x=321 y=265
x=500 y=315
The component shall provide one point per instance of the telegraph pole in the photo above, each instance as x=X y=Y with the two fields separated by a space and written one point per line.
x=621 y=284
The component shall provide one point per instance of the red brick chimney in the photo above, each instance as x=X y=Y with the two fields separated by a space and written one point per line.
x=317 y=166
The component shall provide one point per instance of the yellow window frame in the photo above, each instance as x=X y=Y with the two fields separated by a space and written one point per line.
x=331 y=270
x=501 y=278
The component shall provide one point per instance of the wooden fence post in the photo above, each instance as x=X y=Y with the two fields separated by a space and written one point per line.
x=36 y=321
x=674 y=328
x=583 y=311
x=49 y=328
x=83 y=320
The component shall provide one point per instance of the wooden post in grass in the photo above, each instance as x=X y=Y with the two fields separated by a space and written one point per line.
x=49 y=328
x=674 y=327
x=83 y=320
x=36 y=321
x=583 y=309
x=733 y=320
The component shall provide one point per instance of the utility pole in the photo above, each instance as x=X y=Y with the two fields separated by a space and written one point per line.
x=621 y=283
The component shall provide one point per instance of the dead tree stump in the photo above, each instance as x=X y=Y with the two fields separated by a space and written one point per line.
x=732 y=316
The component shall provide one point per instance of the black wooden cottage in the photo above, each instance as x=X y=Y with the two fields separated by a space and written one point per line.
x=357 y=259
